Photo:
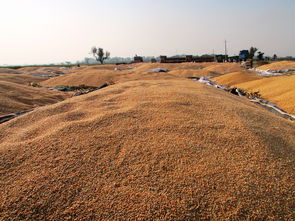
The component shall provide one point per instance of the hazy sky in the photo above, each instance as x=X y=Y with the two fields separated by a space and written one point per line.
x=45 y=31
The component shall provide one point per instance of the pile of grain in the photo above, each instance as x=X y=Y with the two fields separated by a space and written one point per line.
x=280 y=65
x=278 y=90
x=17 y=97
x=9 y=71
x=224 y=68
x=23 y=79
x=100 y=74
x=148 y=150
x=236 y=78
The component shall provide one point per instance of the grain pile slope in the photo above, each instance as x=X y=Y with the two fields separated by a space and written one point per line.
x=280 y=65
x=39 y=69
x=17 y=97
x=278 y=90
x=98 y=75
x=21 y=78
x=205 y=69
x=173 y=149
x=236 y=78
x=9 y=71
x=224 y=68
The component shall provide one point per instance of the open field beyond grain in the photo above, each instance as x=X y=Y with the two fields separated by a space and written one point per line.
x=150 y=146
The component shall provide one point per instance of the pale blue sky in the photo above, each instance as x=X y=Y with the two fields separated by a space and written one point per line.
x=45 y=31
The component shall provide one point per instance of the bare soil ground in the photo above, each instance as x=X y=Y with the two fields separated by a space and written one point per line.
x=162 y=148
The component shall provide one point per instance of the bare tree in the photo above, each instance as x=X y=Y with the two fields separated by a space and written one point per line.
x=99 y=54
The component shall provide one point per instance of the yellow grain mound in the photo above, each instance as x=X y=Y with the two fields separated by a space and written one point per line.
x=236 y=78
x=97 y=75
x=38 y=69
x=203 y=69
x=17 y=97
x=21 y=78
x=278 y=90
x=171 y=66
x=148 y=150
x=224 y=68
x=9 y=71
x=280 y=65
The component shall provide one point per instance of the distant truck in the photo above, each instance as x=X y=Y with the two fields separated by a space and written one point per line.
x=244 y=55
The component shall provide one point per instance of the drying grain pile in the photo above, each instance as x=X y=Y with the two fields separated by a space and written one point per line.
x=278 y=90
x=148 y=150
x=224 y=68
x=280 y=65
x=9 y=71
x=236 y=78
x=17 y=95
x=98 y=75
x=23 y=79
x=43 y=70
x=151 y=146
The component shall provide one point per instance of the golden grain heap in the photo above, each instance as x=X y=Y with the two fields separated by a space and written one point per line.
x=17 y=95
x=151 y=146
x=279 y=90
x=281 y=65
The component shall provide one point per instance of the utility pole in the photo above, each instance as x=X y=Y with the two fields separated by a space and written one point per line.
x=214 y=55
x=225 y=50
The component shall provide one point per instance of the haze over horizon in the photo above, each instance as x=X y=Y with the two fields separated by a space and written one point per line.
x=49 y=31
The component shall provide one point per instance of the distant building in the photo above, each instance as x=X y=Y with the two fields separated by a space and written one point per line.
x=137 y=59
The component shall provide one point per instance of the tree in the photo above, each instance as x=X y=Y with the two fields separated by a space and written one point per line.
x=275 y=57
x=252 y=52
x=260 y=55
x=99 y=54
